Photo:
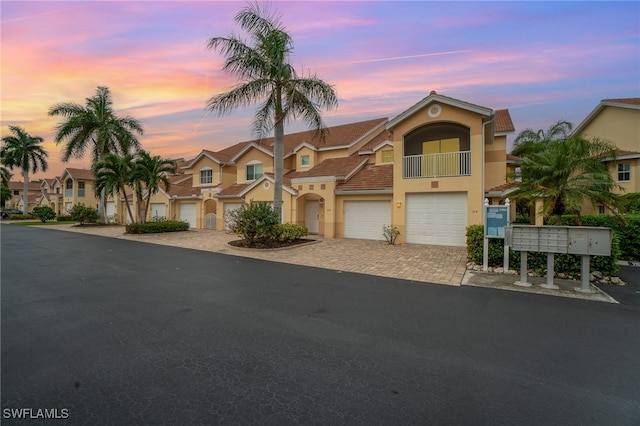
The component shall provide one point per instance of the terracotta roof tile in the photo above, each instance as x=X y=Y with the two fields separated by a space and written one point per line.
x=628 y=101
x=503 y=121
x=33 y=186
x=341 y=166
x=511 y=157
x=184 y=189
x=80 y=173
x=384 y=135
x=344 y=134
x=371 y=177
x=234 y=189
x=503 y=187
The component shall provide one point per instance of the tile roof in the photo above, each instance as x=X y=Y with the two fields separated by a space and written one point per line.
x=234 y=189
x=503 y=121
x=183 y=189
x=344 y=134
x=511 y=157
x=80 y=173
x=371 y=177
x=502 y=188
x=627 y=101
x=18 y=185
x=341 y=166
x=384 y=135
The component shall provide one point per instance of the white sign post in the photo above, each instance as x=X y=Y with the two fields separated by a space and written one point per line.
x=496 y=219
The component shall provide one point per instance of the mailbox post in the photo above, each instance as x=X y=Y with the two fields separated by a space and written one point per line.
x=580 y=240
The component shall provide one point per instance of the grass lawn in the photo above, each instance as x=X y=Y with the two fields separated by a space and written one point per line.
x=39 y=223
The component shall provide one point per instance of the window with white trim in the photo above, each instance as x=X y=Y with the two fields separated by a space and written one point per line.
x=254 y=170
x=305 y=161
x=624 y=172
x=206 y=175
x=80 y=189
x=387 y=156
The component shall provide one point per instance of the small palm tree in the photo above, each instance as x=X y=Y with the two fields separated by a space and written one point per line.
x=5 y=176
x=113 y=175
x=566 y=171
x=529 y=141
x=149 y=173
x=25 y=152
x=267 y=77
x=96 y=127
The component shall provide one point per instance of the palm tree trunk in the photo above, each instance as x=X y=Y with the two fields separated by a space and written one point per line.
x=278 y=159
x=126 y=203
x=101 y=206
x=25 y=189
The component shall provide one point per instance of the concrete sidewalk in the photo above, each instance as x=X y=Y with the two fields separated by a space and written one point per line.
x=413 y=262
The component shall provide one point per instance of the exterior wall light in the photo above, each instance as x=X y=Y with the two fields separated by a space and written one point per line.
x=398 y=204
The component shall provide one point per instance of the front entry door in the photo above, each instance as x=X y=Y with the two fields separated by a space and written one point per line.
x=312 y=216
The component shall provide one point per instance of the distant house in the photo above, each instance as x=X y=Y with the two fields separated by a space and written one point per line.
x=17 y=197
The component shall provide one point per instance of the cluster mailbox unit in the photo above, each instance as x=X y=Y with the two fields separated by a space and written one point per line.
x=581 y=240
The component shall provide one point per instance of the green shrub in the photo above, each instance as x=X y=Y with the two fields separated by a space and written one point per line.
x=44 y=213
x=630 y=203
x=288 y=232
x=64 y=218
x=253 y=221
x=81 y=213
x=21 y=216
x=157 y=227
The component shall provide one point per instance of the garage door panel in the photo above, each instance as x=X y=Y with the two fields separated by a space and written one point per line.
x=158 y=210
x=437 y=218
x=365 y=219
x=188 y=214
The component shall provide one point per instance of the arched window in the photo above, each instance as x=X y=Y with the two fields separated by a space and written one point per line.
x=254 y=170
x=206 y=175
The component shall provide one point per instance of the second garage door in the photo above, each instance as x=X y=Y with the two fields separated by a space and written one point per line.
x=437 y=218
x=188 y=214
x=365 y=219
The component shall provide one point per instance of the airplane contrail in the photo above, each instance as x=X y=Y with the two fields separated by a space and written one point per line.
x=395 y=58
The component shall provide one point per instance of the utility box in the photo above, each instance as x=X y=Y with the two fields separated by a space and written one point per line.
x=591 y=241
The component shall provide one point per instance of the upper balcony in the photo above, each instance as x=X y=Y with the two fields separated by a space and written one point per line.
x=437 y=165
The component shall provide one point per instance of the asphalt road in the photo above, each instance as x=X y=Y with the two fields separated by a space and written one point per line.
x=120 y=332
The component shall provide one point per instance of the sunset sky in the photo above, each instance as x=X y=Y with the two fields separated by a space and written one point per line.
x=544 y=61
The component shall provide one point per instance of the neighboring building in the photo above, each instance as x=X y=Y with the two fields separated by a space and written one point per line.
x=17 y=200
x=425 y=172
x=617 y=121
x=76 y=186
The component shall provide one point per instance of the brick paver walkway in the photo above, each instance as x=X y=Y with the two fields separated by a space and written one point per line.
x=433 y=264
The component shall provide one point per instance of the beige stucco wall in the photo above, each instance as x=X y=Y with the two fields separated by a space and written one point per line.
x=313 y=159
x=199 y=165
x=252 y=154
x=618 y=125
x=377 y=157
x=316 y=191
x=472 y=185
x=495 y=162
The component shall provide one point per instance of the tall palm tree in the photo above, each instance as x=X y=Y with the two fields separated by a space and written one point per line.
x=97 y=127
x=24 y=151
x=114 y=174
x=267 y=77
x=149 y=173
x=529 y=141
x=566 y=171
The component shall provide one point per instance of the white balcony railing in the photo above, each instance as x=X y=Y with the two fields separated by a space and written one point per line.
x=437 y=165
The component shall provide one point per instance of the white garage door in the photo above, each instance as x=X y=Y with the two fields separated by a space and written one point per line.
x=437 y=218
x=227 y=208
x=188 y=214
x=365 y=219
x=111 y=208
x=158 y=210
